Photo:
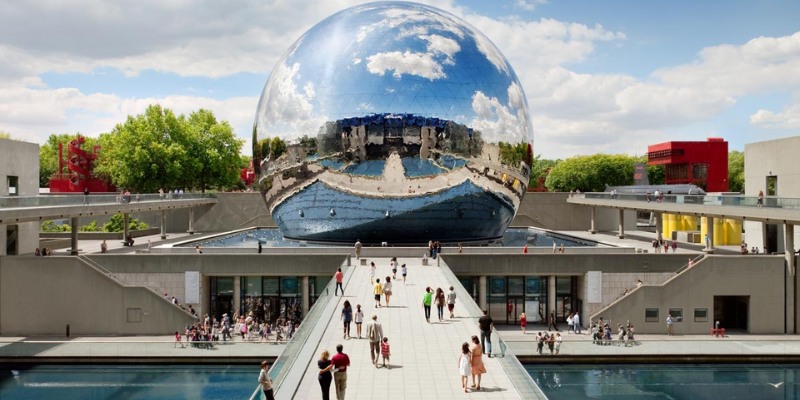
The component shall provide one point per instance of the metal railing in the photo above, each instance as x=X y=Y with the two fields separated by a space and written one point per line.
x=705 y=200
x=288 y=369
x=79 y=199
x=519 y=377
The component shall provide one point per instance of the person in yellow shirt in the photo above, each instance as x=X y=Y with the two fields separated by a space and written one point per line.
x=378 y=291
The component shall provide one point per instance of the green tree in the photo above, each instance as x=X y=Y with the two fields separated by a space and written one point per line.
x=592 y=173
x=147 y=152
x=48 y=154
x=513 y=154
x=214 y=149
x=5 y=135
x=540 y=169
x=736 y=171
x=117 y=221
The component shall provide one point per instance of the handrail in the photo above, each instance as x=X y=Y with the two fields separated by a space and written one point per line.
x=523 y=383
x=296 y=353
x=619 y=298
x=698 y=199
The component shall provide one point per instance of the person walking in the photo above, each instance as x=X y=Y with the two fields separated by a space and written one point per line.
x=347 y=316
x=523 y=322
x=465 y=365
x=393 y=264
x=559 y=340
x=427 y=299
x=404 y=272
x=387 y=290
x=478 y=368
x=339 y=275
x=451 y=301
x=386 y=352
x=440 y=302
x=85 y=195
x=358 y=248
x=570 y=323
x=377 y=290
x=374 y=332
x=485 y=323
x=576 y=323
x=265 y=381
x=551 y=321
x=358 y=319
x=670 y=322
x=260 y=249
x=760 y=199
x=372 y=270
x=325 y=376
x=340 y=364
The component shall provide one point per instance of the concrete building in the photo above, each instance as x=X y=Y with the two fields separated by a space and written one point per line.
x=771 y=167
x=19 y=176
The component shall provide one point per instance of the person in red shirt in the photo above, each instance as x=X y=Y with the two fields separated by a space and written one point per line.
x=339 y=277
x=340 y=363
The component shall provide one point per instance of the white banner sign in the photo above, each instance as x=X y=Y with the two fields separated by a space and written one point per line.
x=594 y=281
x=192 y=287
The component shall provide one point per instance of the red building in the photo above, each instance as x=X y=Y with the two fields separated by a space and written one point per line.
x=704 y=164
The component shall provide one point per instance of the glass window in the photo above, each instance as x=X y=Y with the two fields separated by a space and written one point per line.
x=700 y=315
x=650 y=315
x=700 y=171
x=251 y=285
x=13 y=186
x=271 y=286
x=515 y=286
x=290 y=286
x=534 y=286
x=497 y=286
x=677 y=314
x=564 y=284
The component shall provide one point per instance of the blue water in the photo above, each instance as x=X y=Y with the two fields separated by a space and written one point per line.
x=660 y=381
x=152 y=382
x=414 y=167
x=272 y=237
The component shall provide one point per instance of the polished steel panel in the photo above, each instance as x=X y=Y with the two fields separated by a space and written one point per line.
x=397 y=104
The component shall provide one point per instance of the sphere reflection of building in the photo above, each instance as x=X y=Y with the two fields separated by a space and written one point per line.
x=401 y=123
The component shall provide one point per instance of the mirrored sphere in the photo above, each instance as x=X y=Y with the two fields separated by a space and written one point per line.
x=393 y=122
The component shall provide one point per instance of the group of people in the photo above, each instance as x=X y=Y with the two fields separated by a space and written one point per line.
x=434 y=248
x=43 y=252
x=170 y=194
x=440 y=299
x=743 y=249
x=601 y=333
x=552 y=340
x=659 y=243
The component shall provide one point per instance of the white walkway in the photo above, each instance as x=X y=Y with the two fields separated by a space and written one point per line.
x=424 y=362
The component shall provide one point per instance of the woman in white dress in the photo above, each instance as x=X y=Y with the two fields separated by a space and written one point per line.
x=465 y=365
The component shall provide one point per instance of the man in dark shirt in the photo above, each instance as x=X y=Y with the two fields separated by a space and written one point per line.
x=485 y=323
x=340 y=362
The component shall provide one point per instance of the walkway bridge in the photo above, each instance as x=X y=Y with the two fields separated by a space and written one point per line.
x=17 y=209
x=424 y=357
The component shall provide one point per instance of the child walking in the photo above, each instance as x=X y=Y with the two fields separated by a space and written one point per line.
x=464 y=365
x=385 y=351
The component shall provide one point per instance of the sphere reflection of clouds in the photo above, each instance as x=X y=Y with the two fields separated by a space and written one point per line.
x=408 y=108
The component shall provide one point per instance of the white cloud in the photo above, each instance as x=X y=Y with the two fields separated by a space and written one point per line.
x=419 y=64
x=788 y=118
x=496 y=121
x=290 y=110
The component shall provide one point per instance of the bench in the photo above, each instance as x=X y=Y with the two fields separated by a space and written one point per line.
x=718 y=332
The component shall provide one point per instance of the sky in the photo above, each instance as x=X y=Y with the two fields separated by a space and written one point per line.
x=600 y=76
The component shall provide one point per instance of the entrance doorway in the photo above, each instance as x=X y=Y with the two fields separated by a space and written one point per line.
x=732 y=311
x=12 y=245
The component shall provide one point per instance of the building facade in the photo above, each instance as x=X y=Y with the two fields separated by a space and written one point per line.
x=19 y=176
x=704 y=164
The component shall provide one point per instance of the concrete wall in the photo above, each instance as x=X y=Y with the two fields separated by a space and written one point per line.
x=771 y=158
x=760 y=277
x=20 y=159
x=550 y=210
x=41 y=296
x=562 y=264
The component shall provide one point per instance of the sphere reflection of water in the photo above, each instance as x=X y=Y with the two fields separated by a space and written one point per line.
x=393 y=121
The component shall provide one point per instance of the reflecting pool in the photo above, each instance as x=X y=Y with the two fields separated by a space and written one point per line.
x=272 y=237
x=661 y=381
x=152 y=382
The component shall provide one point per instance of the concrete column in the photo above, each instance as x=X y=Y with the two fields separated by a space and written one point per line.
x=191 y=221
x=791 y=281
x=482 y=293
x=237 y=294
x=126 y=222
x=592 y=230
x=551 y=296
x=621 y=233
x=306 y=300
x=709 y=244
x=73 y=236
x=660 y=225
x=163 y=224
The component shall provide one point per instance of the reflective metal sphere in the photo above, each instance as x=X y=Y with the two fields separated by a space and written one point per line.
x=393 y=122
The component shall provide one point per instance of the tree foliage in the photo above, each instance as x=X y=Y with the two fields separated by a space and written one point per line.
x=117 y=222
x=5 y=135
x=736 y=171
x=271 y=148
x=158 y=149
x=592 y=173
x=512 y=154
x=540 y=169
